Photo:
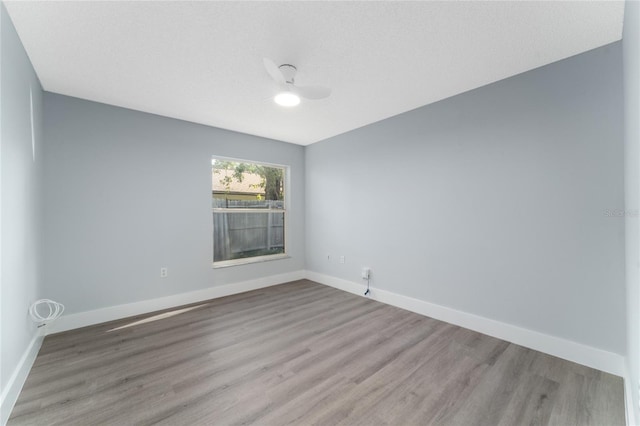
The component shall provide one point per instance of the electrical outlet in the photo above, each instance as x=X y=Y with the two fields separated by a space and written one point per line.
x=366 y=272
x=341 y=259
x=164 y=272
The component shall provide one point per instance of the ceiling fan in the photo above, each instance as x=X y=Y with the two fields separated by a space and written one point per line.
x=291 y=93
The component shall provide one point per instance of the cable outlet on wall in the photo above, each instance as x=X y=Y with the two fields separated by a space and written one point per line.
x=164 y=272
x=341 y=259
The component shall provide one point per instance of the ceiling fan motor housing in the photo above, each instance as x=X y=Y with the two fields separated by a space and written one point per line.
x=289 y=72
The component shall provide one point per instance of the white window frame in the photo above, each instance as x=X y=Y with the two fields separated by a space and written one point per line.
x=287 y=205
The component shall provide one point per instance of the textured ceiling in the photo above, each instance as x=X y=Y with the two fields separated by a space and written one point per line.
x=202 y=61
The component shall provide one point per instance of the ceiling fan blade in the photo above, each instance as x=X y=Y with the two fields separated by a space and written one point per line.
x=313 y=92
x=273 y=71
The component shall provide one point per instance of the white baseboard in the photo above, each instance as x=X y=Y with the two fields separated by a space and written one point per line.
x=97 y=316
x=562 y=348
x=631 y=407
x=11 y=392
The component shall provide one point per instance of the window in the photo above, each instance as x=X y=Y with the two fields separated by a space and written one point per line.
x=248 y=205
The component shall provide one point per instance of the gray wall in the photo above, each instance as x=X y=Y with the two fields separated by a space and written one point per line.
x=127 y=193
x=631 y=52
x=492 y=202
x=20 y=200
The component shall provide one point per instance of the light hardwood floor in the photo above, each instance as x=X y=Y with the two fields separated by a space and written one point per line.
x=302 y=353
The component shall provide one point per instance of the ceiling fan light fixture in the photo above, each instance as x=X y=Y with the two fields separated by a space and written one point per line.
x=287 y=99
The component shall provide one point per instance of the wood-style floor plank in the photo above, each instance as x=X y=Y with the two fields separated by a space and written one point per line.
x=303 y=353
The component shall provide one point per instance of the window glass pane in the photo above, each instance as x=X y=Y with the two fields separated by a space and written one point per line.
x=258 y=185
x=248 y=208
x=240 y=235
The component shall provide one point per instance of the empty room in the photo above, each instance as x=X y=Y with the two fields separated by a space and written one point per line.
x=319 y=212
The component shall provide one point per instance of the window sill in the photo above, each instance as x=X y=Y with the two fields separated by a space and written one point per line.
x=248 y=260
